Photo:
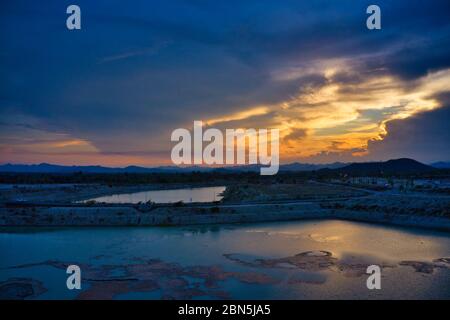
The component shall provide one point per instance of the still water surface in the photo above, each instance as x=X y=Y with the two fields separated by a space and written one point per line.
x=213 y=262
x=205 y=194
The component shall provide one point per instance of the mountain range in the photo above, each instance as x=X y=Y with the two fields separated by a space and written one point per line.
x=403 y=165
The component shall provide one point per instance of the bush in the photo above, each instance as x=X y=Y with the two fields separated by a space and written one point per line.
x=215 y=209
x=178 y=204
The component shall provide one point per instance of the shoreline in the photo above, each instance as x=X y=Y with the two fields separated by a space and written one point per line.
x=122 y=216
x=59 y=206
x=72 y=192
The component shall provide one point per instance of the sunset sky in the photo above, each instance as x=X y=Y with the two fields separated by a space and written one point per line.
x=112 y=92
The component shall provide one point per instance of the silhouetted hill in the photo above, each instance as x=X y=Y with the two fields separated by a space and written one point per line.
x=441 y=165
x=296 y=166
x=392 y=167
x=291 y=167
x=399 y=166
x=52 y=168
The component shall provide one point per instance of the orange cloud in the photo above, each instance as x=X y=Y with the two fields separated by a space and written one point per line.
x=341 y=116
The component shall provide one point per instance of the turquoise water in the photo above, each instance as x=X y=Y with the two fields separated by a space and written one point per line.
x=214 y=262
x=206 y=194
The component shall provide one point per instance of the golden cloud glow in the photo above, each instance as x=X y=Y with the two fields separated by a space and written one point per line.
x=342 y=116
x=337 y=115
x=239 y=115
x=71 y=143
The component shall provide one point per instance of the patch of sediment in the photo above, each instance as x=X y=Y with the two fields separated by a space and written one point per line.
x=20 y=289
x=315 y=261
x=171 y=280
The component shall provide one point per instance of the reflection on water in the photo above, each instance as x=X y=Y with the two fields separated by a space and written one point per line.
x=206 y=194
x=288 y=260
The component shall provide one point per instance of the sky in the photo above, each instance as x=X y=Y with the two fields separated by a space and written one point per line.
x=112 y=92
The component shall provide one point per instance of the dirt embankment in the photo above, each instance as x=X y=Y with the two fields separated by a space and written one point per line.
x=203 y=214
x=68 y=193
x=159 y=215
x=396 y=204
x=282 y=191
x=242 y=204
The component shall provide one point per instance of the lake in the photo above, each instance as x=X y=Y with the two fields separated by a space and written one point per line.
x=205 y=194
x=287 y=260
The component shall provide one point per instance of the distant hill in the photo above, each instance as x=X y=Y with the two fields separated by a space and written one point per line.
x=398 y=166
x=296 y=166
x=52 y=168
x=391 y=167
x=441 y=165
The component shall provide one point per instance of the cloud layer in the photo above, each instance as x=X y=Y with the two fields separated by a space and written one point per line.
x=113 y=92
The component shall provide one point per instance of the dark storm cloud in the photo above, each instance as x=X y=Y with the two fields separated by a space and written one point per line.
x=424 y=137
x=416 y=59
